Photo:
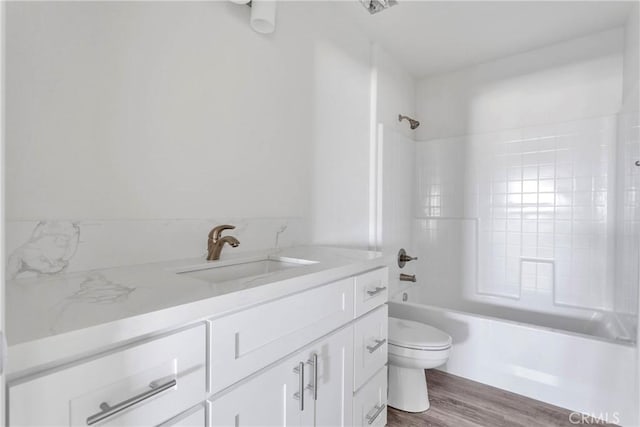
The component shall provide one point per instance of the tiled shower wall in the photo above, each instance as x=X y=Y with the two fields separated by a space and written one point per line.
x=628 y=175
x=628 y=215
x=525 y=197
x=523 y=217
x=397 y=177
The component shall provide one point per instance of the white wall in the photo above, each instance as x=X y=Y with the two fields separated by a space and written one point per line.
x=2 y=221
x=631 y=60
x=628 y=271
x=343 y=194
x=146 y=110
x=341 y=138
x=395 y=147
x=566 y=81
x=152 y=122
x=628 y=176
x=396 y=93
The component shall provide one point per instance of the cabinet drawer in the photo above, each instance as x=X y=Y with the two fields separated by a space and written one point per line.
x=144 y=384
x=371 y=290
x=247 y=341
x=370 y=403
x=370 y=345
x=194 y=417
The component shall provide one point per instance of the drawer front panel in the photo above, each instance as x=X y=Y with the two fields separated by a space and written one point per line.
x=144 y=384
x=370 y=345
x=247 y=341
x=371 y=290
x=195 y=417
x=370 y=403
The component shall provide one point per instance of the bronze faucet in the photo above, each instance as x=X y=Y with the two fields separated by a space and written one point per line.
x=216 y=242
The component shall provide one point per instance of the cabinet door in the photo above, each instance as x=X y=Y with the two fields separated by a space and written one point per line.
x=330 y=372
x=272 y=398
x=268 y=399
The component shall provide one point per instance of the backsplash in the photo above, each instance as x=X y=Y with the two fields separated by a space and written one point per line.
x=56 y=247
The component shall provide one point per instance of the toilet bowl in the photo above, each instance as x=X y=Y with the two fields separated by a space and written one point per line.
x=413 y=347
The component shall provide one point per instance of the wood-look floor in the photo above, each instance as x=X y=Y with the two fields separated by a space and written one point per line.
x=459 y=402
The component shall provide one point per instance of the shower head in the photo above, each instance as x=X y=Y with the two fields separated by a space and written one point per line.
x=375 y=6
x=413 y=123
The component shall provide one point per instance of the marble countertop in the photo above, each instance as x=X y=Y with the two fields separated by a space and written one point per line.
x=52 y=319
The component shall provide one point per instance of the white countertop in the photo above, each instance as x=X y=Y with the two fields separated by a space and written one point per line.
x=53 y=319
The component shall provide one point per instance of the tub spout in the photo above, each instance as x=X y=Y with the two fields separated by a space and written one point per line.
x=407 y=277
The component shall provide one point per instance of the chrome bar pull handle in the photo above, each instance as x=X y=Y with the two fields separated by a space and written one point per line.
x=378 y=410
x=108 y=410
x=376 y=291
x=299 y=395
x=378 y=344
x=313 y=361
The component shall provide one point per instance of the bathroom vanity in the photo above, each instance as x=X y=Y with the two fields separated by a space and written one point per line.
x=294 y=337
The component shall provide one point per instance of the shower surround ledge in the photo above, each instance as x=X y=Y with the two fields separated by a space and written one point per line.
x=53 y=319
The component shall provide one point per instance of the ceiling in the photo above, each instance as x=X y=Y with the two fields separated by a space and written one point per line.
x=431 y=37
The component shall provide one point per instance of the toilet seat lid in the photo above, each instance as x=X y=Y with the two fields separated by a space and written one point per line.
x=407 y=333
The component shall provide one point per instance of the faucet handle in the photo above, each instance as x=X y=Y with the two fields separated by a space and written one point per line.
x=403 y=258
x=214 y=234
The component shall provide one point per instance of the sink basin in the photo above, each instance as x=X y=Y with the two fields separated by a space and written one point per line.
x=242 y=269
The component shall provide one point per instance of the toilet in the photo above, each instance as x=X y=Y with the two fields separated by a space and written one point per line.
x=413 y=347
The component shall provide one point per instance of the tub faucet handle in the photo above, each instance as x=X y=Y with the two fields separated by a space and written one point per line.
x=407 y=277
x=403 y=258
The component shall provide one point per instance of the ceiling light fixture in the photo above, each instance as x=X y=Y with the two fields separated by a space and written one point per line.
x=375 y=6
x=263 y=14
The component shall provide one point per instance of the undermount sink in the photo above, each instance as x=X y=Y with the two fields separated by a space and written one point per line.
x=242 y=269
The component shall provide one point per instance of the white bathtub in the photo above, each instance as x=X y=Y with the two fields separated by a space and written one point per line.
x=580 y=372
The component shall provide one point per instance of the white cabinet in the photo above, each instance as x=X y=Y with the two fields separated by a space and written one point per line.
x=310 y=388
x=145 y=384
x=294 y=361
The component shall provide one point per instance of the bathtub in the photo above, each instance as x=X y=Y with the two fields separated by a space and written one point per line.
x=572 y=364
